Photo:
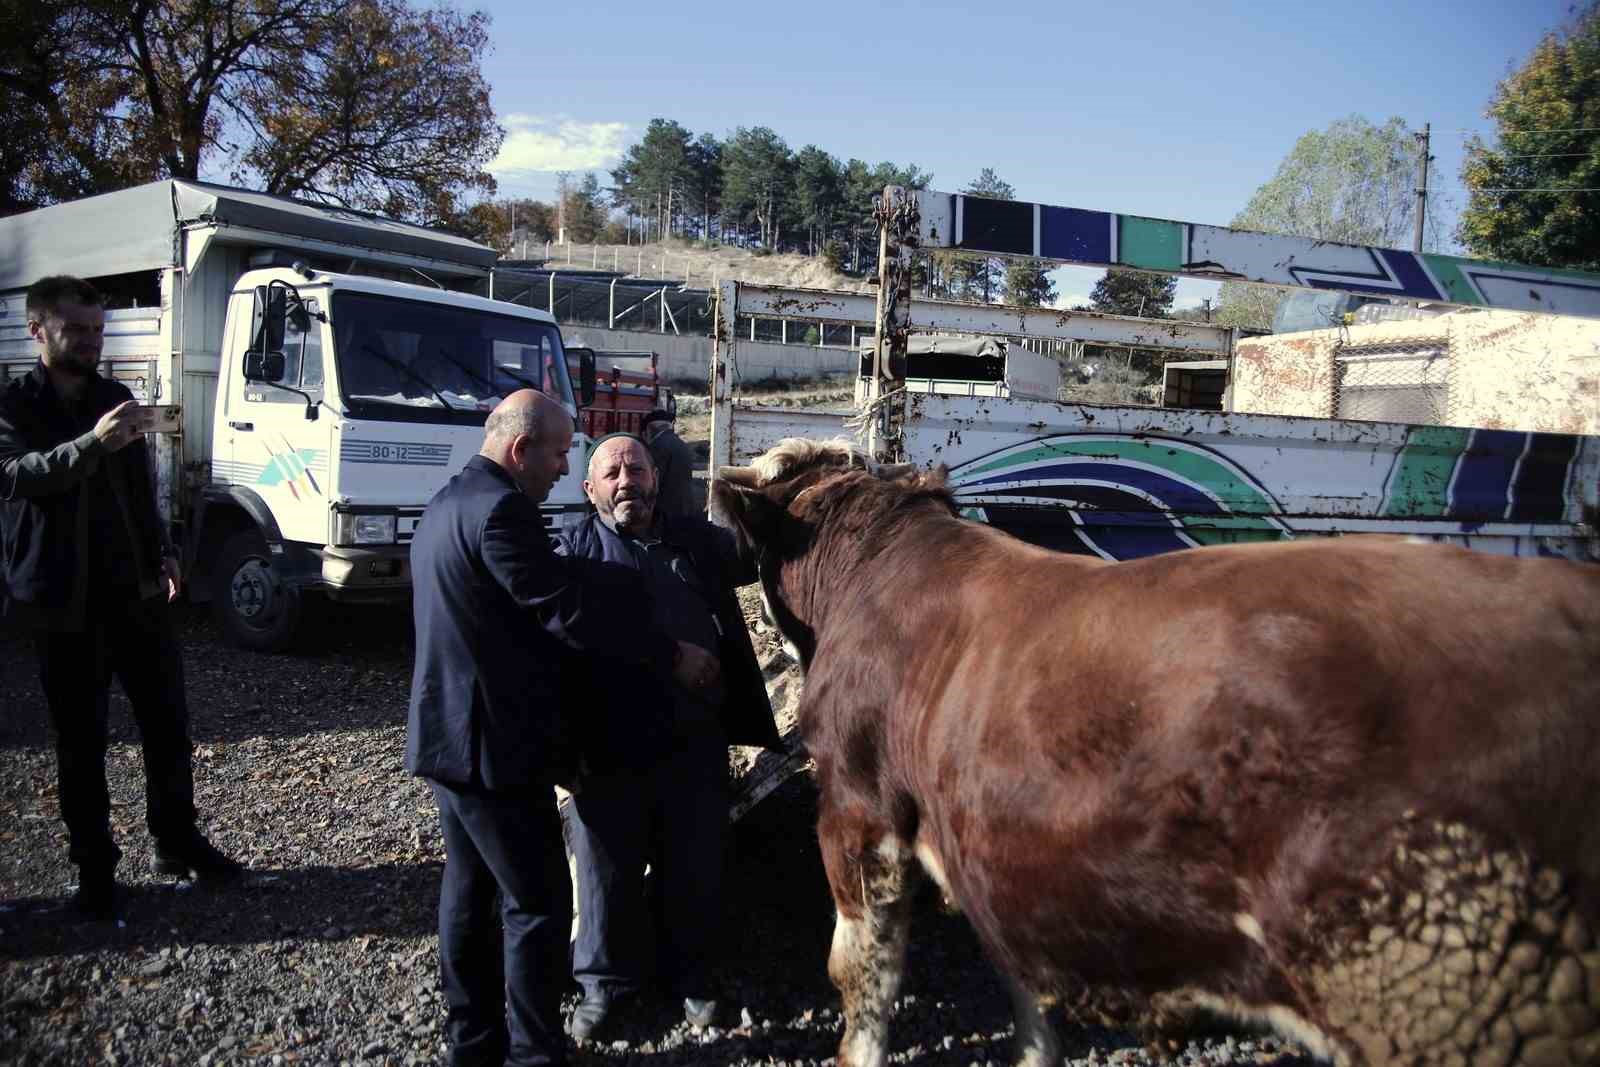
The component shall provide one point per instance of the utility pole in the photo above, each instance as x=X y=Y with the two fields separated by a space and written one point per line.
x=1422 y=186
x=561 y=208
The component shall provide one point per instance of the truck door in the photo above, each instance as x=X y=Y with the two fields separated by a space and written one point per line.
x=275 y=450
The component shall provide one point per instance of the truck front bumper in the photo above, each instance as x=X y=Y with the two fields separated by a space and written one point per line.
x=382 y=572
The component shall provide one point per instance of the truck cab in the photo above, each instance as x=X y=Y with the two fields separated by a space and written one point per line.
x=343 y=404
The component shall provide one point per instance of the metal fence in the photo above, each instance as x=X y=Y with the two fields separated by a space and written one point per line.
x=1403 y=381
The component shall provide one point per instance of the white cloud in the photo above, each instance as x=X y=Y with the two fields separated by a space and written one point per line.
x=544 y=143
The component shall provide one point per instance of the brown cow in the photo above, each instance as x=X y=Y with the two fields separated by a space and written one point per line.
x=1345 y=789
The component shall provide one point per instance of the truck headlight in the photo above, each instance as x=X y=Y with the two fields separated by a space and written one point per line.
x=353 y=529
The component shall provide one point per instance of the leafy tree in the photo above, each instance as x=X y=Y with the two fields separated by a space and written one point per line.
x=652 y=176
x=863 y=186
x=1353 y=182
x=1028 y=283
x=757 y=170
x=1546 y=115
x=705 y=179
x=584 y=210
x=1132 y=292
x=59 y=136
x=818 y=194
x=370 y=103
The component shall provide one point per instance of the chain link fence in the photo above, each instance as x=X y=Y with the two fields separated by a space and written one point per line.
x=1400 y=381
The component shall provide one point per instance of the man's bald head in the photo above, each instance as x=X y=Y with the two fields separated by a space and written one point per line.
x=528 y=435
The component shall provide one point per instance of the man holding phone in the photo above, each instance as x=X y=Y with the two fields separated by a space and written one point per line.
x=89 y=567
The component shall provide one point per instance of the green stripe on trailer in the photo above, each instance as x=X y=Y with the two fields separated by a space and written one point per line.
x=1419 y=487
x=1154 y=244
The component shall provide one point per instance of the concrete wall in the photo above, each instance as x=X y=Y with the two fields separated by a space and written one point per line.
x=1507 y=370
x=689 y=358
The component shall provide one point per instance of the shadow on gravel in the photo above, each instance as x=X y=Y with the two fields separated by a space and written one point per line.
x=780 y=929
x=296 y=905
x=350 y=668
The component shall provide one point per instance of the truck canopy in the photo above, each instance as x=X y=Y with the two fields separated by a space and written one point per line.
x=138 y=229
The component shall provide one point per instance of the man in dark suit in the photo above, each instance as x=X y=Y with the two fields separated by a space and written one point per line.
x=87 y=565
x=499 y=622
x=657 y=793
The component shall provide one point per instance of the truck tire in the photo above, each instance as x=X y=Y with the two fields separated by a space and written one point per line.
x=253 y=606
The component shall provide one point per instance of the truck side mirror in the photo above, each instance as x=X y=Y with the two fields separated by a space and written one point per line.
x=271 y=316
x=586 y=374
x=265 y=367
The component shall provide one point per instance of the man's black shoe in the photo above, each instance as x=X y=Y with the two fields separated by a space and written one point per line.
x=197 y=855
x=96 y=896
x=589 y=1017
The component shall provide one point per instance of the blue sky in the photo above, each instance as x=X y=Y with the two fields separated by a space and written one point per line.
x=1175 y=110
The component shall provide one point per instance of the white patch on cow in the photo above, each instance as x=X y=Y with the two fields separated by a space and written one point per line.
x=793 y=453
x=1250 y=927
x=1283 y=1020
x=931 y=863
x=854 y=954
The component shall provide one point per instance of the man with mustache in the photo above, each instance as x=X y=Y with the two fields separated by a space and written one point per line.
x=656 y=791
x=89 y=567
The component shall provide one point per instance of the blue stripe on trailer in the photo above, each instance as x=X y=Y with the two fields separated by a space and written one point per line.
x=1482 y=483
x=1072 y=233
x=1171 y=493
x=1540 y=492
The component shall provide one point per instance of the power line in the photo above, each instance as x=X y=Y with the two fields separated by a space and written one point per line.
x=1555 y=129
x=1548 y=189
x=1543 y=155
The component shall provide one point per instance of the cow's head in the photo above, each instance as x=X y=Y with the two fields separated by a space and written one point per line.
x=780 y=507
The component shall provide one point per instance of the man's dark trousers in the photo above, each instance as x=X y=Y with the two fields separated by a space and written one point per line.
x=131 y=639
x=672 y=815
x=503 y=848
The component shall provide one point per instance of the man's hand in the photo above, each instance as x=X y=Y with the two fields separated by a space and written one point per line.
x=174 y=577
x=118 y=427
x=696 y=668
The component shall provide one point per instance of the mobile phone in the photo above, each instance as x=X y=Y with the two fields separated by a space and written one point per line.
x=157 y=418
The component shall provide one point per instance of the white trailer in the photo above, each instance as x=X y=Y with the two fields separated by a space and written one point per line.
x=331 y=375
x=1125 y=482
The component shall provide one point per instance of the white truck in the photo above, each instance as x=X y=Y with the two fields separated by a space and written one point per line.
x=330 y=372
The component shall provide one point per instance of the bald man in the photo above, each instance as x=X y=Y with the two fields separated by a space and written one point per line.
x=501 y=623
x=659 y=794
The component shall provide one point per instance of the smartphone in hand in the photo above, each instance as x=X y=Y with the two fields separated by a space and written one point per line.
x=157 y=418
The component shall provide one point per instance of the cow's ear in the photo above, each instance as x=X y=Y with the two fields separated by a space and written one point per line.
x=748 y=512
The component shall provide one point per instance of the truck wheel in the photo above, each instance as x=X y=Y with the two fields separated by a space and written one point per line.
x=255 y=609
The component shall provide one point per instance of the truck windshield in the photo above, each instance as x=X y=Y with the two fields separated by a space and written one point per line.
x=417 y=361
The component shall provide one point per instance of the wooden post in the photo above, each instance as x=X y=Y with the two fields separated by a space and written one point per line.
x=899 y=224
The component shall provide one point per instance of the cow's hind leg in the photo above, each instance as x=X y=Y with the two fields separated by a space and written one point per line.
x=869 y=872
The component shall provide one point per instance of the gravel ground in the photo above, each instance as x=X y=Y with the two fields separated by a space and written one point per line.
x=327 y=953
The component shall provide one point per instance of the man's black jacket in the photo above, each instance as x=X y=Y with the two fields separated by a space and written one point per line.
x=502 y=625
x=46 y=472
x=631 y=697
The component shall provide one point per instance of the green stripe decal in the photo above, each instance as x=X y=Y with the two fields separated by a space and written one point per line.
x=1419 y=485
x=1446 y=271
x=1154 y=244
